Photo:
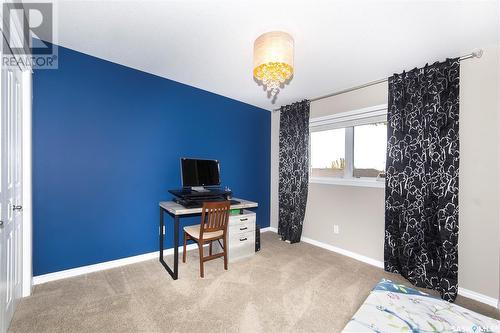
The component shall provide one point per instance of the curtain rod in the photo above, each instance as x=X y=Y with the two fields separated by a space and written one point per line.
x=475 y=54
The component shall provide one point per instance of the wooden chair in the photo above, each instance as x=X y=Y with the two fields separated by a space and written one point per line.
x=213 y=227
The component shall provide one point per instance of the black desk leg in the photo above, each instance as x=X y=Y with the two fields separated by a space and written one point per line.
x=176 y=247
x=175 y=273
x=162 y=225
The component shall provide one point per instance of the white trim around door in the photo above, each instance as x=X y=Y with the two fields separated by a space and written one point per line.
x=27 y=98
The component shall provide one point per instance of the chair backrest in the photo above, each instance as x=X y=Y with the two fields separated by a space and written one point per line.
x=214 y=216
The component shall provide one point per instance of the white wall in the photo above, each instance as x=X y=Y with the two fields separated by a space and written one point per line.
x=498 y=104
x=359 y=211
x=479 y=165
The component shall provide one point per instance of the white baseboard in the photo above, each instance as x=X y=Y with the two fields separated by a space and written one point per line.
x=112 y=264
x=347 y=253
x=461 y=291
x=154 y=255
x=268 y=229
x=105 y=265
x=272 y=229
x=478 y=297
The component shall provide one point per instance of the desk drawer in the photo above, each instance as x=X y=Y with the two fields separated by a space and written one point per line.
x=242 y=223
x=241 y=245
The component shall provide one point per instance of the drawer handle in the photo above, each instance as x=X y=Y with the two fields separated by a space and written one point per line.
x=245 y=219
x=245 y=228
x=243 y=239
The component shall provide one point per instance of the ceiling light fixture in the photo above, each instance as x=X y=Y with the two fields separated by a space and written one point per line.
x=273 y=60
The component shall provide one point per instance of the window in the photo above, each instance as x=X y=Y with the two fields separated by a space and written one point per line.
x=328 y=153
x=370 y=143
x=349 y=148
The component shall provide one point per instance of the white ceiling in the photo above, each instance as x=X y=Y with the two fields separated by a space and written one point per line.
x=338 y=44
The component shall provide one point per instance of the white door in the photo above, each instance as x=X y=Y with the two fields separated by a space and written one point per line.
x=10 y=194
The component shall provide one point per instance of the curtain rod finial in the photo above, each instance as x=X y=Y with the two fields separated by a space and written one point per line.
x=477 y=53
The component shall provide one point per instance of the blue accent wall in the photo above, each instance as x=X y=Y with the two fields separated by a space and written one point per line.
x=107 y=140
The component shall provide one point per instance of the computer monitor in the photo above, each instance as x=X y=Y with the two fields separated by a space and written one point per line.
x=197 y=173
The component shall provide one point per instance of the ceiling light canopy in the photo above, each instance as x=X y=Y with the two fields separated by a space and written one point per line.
x=273 y=59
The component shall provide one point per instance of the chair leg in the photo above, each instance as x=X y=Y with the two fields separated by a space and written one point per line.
x=225 y=252
x=210 y=248
x=200 y=248
x=184 y=249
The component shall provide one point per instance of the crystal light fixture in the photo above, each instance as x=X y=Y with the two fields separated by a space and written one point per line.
x=273 y=59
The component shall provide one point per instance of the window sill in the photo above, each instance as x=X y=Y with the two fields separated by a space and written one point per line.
x=362 y=182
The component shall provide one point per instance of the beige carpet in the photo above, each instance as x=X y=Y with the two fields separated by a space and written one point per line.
x=299 y=288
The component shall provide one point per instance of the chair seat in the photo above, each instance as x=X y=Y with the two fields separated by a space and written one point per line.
x=194 y=231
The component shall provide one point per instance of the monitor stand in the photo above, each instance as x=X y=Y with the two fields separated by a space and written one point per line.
x=199 y=189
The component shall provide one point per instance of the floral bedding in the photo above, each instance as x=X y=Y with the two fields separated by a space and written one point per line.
x=393 y=307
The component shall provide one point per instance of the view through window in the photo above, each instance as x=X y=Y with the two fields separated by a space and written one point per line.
x=328 y=153
x=350 y=152
x=370 y=142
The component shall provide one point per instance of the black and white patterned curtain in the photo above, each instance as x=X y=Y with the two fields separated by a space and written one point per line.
x=293 y=169
x=421 y=194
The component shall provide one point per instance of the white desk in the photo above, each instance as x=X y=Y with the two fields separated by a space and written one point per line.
x=176 y=211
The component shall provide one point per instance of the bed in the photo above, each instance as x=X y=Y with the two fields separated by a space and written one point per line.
x=393 y=307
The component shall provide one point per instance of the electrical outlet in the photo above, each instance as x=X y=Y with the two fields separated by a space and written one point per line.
x=336 y=229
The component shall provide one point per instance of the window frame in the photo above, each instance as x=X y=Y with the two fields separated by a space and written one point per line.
x=347 y=120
